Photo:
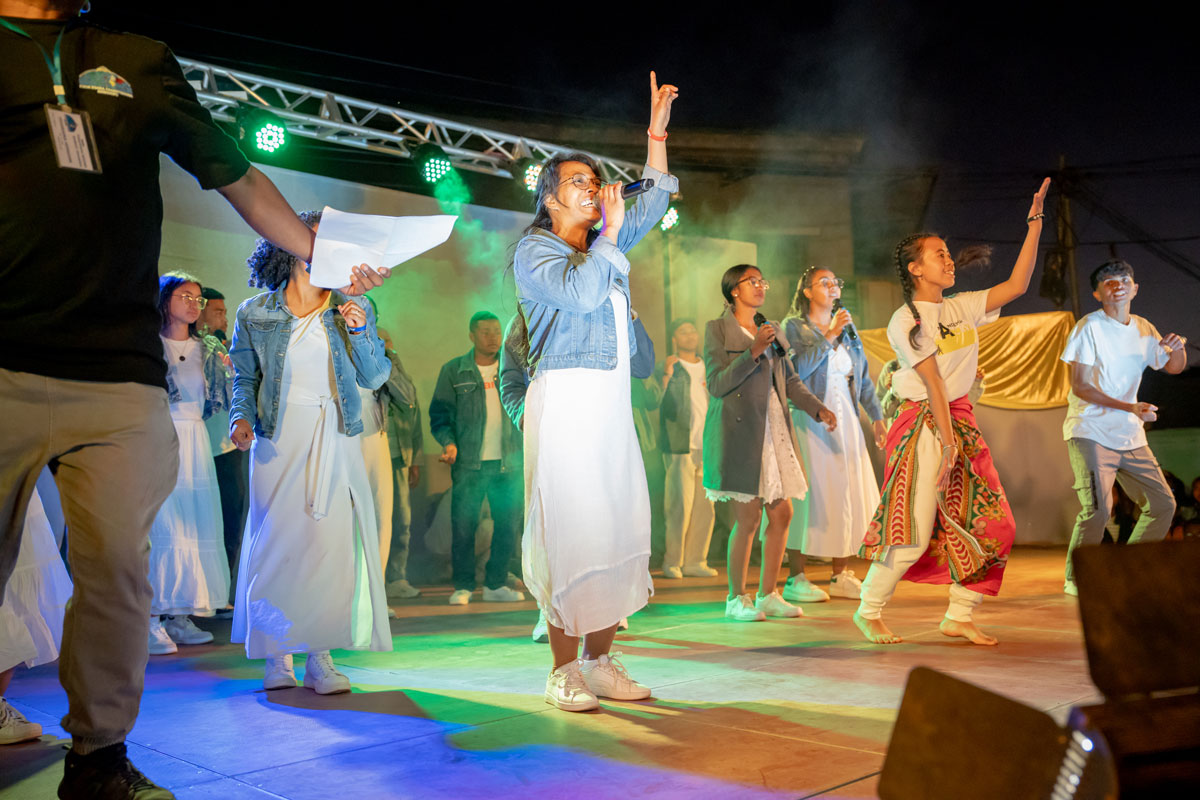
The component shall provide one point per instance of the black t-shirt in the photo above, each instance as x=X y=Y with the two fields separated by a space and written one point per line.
x=79 y=251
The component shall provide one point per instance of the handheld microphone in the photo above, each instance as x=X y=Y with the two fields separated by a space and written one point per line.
x=849 y=329
x=760 y=320
x=637 y=187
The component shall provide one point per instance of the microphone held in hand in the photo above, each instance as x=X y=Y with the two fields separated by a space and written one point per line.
x=760 y=320
x=849 y=329
x=637 y=187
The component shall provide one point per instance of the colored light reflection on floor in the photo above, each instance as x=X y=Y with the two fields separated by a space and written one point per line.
x=783 y=709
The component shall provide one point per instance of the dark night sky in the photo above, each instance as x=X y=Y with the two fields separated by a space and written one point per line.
x=988 y=98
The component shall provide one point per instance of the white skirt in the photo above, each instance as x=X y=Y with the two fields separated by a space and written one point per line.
x=586 y=548
x=309 y=577
x=832 y=520
x=189 y=569
x=31 y=617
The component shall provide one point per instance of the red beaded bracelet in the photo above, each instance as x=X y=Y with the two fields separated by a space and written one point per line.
x=662 y=138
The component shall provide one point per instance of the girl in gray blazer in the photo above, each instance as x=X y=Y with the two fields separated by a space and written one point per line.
x=751 y=456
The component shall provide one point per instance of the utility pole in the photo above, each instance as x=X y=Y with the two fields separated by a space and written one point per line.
x=1066 y=233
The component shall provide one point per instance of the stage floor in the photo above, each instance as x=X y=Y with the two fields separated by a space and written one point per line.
x=776 y=709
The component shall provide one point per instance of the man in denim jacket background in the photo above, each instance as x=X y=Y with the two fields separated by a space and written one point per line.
x=484 y=450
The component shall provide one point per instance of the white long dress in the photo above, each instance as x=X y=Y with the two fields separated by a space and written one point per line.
x=31 y=617
x=189 y=570
x=586 y=549
x=832 y=520
x=309 y=577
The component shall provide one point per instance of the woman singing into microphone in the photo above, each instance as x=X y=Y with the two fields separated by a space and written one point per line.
x=751 y=456
x=586 y=548
x=943 y=517
x=831 y=521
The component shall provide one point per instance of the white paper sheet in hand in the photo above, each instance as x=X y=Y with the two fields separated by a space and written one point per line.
x=345 y=240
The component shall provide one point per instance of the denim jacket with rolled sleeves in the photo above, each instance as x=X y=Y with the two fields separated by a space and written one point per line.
x=260 y=341
x=218 y=381
x=810 y=352
x=458 y=416
x=564 y=293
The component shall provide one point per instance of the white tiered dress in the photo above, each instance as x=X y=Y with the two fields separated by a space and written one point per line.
x=309 y=578
x=31 y=617
x=586 y=549
x=189 y=571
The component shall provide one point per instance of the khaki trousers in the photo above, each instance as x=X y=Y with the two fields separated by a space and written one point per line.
x=689 y=512
x=114 y=455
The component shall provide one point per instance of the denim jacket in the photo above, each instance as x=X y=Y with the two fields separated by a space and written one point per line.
x=458 y=416
x=218 y=381
x=406 y=441
x=810 y=353
x=564 y=292
x=260 y=341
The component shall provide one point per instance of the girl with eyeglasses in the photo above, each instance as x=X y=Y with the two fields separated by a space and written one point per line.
x=189 y=571
x=586 y=548
x=943 y=516
x=831 y=520
x=751 y=455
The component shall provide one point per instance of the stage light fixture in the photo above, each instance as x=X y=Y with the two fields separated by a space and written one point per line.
x=432 y=162
x=261 y=130
x=670 y=220
x=530 y=174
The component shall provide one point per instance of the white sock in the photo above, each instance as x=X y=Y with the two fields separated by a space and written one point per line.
x=588 y=664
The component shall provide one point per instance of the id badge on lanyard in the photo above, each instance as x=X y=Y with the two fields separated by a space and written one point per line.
x=70 y=129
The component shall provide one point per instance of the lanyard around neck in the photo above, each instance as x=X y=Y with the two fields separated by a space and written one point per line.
x=53 y=64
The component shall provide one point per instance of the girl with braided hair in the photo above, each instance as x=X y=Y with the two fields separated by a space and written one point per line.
x=943 y=516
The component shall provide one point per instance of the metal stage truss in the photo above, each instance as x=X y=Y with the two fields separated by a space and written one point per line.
x=379 y=128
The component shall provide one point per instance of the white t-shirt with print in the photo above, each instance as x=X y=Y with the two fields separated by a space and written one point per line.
x=949 y=332
x=493 y=445
x=699 y=396
x=1118 y=354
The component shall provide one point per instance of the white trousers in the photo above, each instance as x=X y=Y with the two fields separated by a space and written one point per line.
x=380 y=475
x=882 y=577
x=689 y=514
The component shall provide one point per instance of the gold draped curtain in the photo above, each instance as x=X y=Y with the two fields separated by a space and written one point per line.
x=1018 y=354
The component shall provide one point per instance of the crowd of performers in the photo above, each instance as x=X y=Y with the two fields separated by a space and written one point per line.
x=758 y=414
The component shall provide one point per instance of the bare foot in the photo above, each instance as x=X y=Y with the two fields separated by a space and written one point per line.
x=967 y=630
x=875 y=631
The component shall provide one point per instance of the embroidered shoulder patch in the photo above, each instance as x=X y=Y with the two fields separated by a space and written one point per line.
x=105 y=81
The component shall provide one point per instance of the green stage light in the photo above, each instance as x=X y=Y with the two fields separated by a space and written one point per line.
x=261 y=130
x=432 y=162
x=670 y=220
x=530 y=178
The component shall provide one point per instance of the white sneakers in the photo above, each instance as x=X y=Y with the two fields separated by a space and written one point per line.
x=800 y=589
x=280 y=674
x=502 y=594
x=742 y=609
x=672 y=572
x=844 y=584
x=775 y=606
x=699 y=571
x=160 y=643
x=14 y=727
x=402 y=589
x=566 y=689
x=460 y=597
x=182 y=630
x=606 y=677
x=322 y=676
x=541 y=634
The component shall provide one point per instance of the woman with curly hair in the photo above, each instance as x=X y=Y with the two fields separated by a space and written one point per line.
x=309 y=578
x=943 y=516
x=189 y=572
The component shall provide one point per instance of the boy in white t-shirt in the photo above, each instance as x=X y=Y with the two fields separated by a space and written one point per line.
x=1108 y=351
